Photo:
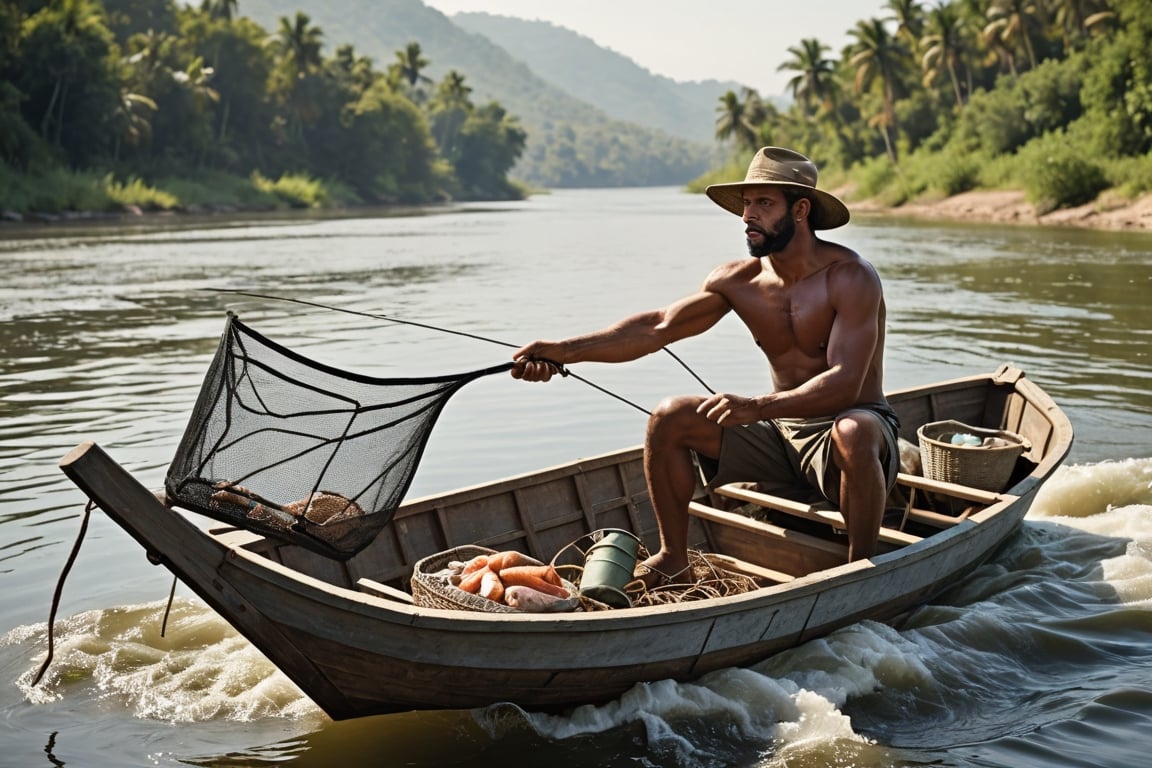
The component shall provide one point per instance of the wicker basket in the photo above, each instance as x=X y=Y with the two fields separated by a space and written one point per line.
x=988 y=469
x=431 y=589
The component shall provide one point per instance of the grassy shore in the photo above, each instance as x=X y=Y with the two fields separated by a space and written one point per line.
x=68 y=196
x=62 y=195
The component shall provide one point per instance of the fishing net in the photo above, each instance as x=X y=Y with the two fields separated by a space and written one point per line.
x=705 y=581
x=294 y=449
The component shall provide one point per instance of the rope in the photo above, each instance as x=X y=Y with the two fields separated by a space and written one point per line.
x=60 y=589
x=238 y=292
x=563 y=371
x=685 y=366
x=168 y=607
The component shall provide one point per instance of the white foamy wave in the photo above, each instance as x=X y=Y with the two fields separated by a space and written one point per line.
x=1131 y=574
x=1084 y=490
x=786 y=710
x=1128 y=574
x=199 y=670
x=1113 y=499
x=853 y=661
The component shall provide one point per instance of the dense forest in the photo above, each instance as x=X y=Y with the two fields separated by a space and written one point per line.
x=157 y=104
x=1050 y=96
x=577 y=136
x=113 y=103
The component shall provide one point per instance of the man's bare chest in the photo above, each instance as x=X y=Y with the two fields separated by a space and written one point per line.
x=795 y=318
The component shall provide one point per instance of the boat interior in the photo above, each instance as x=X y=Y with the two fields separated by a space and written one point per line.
x=770 y=538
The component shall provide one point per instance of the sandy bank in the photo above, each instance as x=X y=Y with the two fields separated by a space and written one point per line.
x=1010 y=207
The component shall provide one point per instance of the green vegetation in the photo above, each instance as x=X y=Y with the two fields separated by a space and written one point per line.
x=1050 y=96
x=161 y=105
x=157 y=105
x=136 y=192
x=567 y=100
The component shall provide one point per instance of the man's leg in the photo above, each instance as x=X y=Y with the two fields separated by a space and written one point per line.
x=858 y=449
x=675 y=430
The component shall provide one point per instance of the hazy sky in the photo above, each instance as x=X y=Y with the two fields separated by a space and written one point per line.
x=696 y=39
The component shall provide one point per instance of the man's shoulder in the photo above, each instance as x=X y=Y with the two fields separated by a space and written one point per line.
x=838 y=251
x=737 y=269
x=848 y=263
x=851 y=278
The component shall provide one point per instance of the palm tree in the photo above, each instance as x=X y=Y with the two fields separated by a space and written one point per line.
x=194 y=79
x=449 y=109
x=737 y=119
x=75 y=19
x=814 y=86
x=909 y=18
x=355 y=71
x=452 y=92
x=755 y=109
x=220 y=9
x=131 y=115
x=1012 y=25
x=879 y=58
x=300 y=44
x=1077 y=18
x=151 y=51
x=944 y=45
x=409 y=66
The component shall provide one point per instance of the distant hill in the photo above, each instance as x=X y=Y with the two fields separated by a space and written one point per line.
x=604 y=78
x=571 y=143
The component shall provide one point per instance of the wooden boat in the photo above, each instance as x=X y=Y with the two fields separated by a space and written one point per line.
x=348 y=634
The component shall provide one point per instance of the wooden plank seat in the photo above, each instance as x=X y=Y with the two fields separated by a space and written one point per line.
x=821 y=513
x=916 y=484
x=771 y=553
x=912 y=486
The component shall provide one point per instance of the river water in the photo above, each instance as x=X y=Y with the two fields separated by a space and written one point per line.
x=1043 y=658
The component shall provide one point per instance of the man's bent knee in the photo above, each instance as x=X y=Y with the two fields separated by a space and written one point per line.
x=675 y=420
x=857 y=435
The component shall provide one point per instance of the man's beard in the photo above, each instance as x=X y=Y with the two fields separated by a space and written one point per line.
x=773 y=242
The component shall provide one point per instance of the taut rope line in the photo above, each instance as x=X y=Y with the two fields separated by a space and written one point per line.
x=563 y=371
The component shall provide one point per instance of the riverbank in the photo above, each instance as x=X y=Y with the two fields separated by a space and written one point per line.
x=1109 y=211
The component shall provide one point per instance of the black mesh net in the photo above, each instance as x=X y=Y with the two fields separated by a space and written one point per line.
x=288 y=447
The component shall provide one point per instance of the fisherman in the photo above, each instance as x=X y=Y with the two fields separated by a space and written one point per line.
x=816 y=311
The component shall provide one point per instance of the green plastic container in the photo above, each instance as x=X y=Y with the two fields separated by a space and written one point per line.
x=608 y=567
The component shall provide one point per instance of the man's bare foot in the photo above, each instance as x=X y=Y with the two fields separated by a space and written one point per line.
x=656 y=572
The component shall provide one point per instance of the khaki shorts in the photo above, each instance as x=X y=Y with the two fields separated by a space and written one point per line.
x=793 y=457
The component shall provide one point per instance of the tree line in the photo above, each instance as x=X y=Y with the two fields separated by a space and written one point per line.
x=1052 y=96
x=149 y=98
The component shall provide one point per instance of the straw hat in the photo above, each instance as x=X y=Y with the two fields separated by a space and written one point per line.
x=775 y=165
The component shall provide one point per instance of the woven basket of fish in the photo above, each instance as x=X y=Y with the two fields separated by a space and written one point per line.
x=432 y=586
x=437 y=582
